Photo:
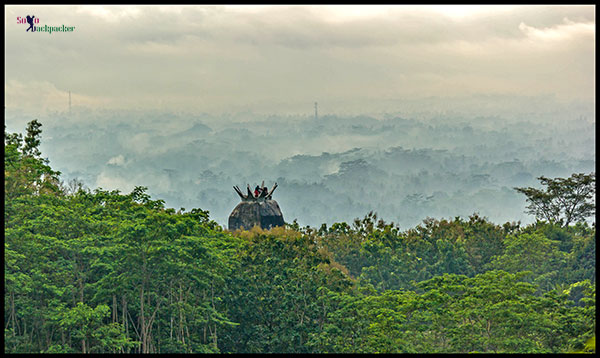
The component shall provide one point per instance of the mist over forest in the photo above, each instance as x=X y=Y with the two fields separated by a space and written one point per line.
x=405 y=166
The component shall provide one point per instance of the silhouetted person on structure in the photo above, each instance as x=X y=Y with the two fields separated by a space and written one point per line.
x=256 y=191
x=265 y=191
x=30 y=22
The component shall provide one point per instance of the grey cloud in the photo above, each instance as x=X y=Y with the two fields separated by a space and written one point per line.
x=213 y=58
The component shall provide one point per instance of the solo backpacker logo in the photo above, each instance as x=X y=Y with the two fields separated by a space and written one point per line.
x=34 y=26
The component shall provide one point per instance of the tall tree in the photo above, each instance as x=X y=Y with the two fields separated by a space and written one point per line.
x=32 y=139
x=563 y=201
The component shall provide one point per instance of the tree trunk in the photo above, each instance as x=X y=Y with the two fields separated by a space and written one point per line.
x=124 y=304
x=171 y=305
x=142 y=322
x=181 y=333
x=14 y=314
x=149 y=324
x=115 y=317
x=212 y=302
x=80 y=282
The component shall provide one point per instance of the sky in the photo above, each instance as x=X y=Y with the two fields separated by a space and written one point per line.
x=281 y=59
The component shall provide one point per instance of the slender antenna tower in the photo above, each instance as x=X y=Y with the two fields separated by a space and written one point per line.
x=316 y=113
x=69 y=102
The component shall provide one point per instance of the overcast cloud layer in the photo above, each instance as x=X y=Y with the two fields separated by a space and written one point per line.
x=281 y=59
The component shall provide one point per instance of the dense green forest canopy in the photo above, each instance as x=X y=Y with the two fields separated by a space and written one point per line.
x=98 y=271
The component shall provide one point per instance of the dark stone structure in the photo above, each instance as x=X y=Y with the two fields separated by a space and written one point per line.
x=247 y=214
x=259 y=210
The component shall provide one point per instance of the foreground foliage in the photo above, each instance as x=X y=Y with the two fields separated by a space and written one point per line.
x=106 y=272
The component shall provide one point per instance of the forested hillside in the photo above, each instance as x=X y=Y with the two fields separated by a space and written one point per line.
x=98 y=271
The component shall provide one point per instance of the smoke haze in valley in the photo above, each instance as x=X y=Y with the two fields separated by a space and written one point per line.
x=423 y=111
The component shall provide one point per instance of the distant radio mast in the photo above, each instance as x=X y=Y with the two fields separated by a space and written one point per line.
x=316 y=113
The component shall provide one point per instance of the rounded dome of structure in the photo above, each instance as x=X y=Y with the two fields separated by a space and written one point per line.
x=256 y=210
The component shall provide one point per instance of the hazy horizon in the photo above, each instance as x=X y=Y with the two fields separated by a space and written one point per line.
x=423 y=110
